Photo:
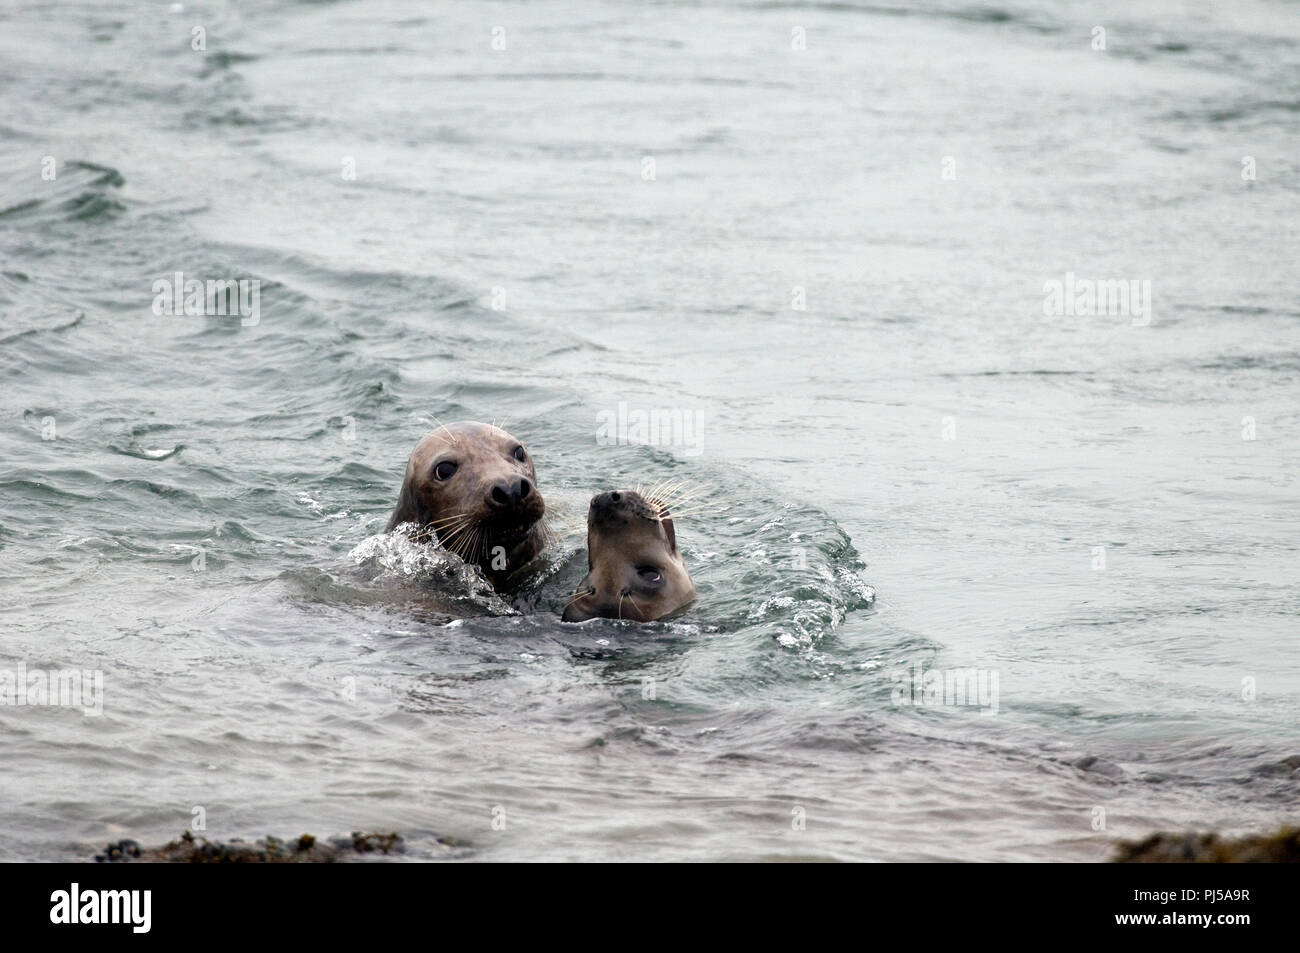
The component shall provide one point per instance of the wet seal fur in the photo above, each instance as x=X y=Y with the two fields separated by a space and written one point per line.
x=471 y=487
x=635 y=570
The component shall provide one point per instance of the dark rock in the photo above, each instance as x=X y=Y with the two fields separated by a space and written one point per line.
x=1283 y=768
x=1282 y=847
x=306 y=849
x=1097 y=766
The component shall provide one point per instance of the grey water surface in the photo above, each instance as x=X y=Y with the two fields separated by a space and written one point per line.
x=823 y=233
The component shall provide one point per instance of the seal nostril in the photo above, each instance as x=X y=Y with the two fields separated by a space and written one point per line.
x=525 y=488
x=499 y=496
x=615 y=497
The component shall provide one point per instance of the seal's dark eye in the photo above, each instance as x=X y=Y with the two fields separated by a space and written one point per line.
x=520 y=455
x=445 y=470
x=648 y=573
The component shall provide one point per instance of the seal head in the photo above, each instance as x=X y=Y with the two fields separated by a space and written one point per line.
x=472 y=488
x=635 y=570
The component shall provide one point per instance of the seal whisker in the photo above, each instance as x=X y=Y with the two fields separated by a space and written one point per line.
x=449 y=523
x=580 y=594
x=679 y=507
x=688 y=511
x=689 y=503
x=695 y=496
x=456 y=545
x=448 y=537
x=634 y=604
x=673 y=492
x=458 y=535
x=677 y=490
x=448 y=531
x=460 y=549
x=449 y=518
x=442 y=426
x=451 y=526
x=670 y=483
x=657 y=489
x=465 y=548
x=448 y=526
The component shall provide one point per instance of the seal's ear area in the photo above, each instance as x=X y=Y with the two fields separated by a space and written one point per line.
x=666 y=522
x=410 y=509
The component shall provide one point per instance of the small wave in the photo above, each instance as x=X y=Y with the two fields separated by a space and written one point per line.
x=995 y=16
x=66 y=326
x=215 y=61
x=1254 y=111
x=395 y=558
x=81 y=191
x=145 y=453
x=270 y=119
x=800 y=559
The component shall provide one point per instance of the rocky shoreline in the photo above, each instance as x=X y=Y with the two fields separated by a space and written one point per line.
x=306 y=849
x=1281 y=847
